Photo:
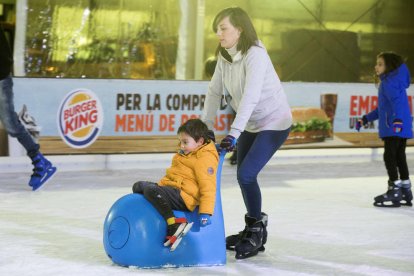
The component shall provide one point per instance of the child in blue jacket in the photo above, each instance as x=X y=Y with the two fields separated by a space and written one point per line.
x=395 y=127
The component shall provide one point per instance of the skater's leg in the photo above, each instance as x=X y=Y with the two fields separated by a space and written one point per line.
x=138 y=187
x=244 y=144
x=406 y=193
x=10 y=120
x=265 y=144
x=233 y=158
x=402 y=159
x=390 y=157
x=164 y=199
x=168 y=197
x=393 y=196
x=157 y=196
x=43 y=168
x=176 y=227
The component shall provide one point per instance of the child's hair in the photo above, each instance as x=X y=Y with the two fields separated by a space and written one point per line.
x=239 y=19
x=196 y=129
x=392 y=61
x=210 y=67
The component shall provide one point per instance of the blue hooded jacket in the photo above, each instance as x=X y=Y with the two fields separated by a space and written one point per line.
x=393 y=104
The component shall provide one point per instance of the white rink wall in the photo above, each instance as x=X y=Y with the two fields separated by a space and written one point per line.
x=93 y=162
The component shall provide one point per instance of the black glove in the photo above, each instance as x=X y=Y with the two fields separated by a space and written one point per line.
x=210 y=135
x=228 y=143
x=361 y=122
x=364 y=120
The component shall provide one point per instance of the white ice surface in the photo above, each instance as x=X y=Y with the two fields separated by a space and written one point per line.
x=321 y=222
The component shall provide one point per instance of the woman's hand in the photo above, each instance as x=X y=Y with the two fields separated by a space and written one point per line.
x=228 y=143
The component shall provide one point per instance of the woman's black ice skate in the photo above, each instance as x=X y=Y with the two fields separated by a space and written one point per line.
x=232 y=240
x=406 y=193
x=391 y=198
x=251 y=240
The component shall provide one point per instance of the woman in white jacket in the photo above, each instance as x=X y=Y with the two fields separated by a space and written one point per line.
x=262 y=124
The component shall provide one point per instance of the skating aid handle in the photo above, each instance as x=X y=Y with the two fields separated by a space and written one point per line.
x=222 y=154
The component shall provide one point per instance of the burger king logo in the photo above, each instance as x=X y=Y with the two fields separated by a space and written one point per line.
x=80 y=118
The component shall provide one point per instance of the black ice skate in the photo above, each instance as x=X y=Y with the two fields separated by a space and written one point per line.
x=406 y=193
x=392 y=197
x=232 y=240
x=251 y=240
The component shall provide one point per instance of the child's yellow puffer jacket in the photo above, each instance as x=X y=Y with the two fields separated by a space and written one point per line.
x=195 y=175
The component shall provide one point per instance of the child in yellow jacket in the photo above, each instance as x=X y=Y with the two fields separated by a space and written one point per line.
x=188 y=183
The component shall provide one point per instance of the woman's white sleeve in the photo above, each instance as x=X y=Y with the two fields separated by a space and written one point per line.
x=213 y=97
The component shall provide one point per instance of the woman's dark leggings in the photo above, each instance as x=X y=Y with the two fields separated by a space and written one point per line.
x=163 y=198
x=395 y=159
x=254 y=150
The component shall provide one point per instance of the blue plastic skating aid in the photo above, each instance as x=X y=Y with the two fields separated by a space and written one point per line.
x=134 y=233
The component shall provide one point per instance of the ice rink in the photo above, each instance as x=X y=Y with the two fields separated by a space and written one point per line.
x=321 y=218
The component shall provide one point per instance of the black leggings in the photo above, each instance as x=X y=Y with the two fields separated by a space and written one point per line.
x=163 y=198
x=395 y=159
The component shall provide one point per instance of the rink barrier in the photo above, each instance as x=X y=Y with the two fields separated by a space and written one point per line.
x=134 y=233
x=102 y=162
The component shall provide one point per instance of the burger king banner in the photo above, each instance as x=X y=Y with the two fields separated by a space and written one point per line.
x=80 y=118
x=88 y=115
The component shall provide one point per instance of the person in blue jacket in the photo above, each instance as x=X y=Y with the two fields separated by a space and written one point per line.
x=395 y=127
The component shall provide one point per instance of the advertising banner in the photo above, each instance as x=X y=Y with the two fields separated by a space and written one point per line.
x=81 y=111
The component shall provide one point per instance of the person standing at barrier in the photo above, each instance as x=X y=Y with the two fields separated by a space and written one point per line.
x=263 y=117
x=395 y=127
x=43 y=168
x=188 y=183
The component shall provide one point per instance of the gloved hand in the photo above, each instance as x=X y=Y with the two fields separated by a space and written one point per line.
x=228 y=143
x=205 y=220
x=361 y=122
x=397 y=125
x=211 y=136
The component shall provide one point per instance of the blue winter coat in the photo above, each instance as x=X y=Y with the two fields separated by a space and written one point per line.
x=393 y=103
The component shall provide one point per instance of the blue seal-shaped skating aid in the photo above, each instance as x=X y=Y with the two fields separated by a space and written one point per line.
x=134 y=234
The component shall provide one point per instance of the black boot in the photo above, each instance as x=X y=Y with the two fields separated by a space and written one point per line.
x=232 y=240
x=393 y=195
x=233 y=158
x=406 y=193
x=252 y=238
